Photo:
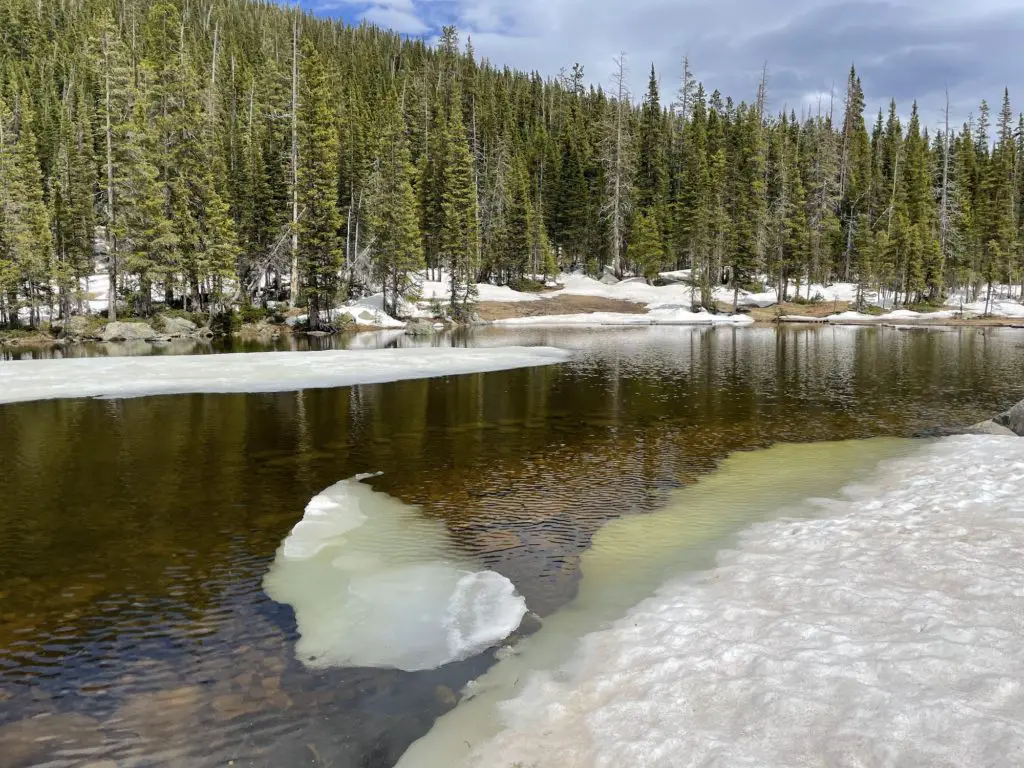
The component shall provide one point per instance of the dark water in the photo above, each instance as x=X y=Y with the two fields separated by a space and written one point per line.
x=134 y=534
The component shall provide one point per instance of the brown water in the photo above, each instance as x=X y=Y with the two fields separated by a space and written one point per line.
x=134 y=534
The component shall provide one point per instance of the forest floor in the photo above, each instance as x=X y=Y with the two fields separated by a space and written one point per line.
x=556 y=305
x=765 y=315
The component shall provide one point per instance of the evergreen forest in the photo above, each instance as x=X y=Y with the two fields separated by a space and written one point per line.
x=219 y=154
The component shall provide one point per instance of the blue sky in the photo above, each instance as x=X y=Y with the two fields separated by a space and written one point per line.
x=907 y=49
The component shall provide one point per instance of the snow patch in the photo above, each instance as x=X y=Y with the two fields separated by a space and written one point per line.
x=375 y=584
x=888 y=632
x=631 y=556
x=659 y=314
x=22 y=380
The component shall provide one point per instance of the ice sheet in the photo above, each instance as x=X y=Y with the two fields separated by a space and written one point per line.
x=23 y=380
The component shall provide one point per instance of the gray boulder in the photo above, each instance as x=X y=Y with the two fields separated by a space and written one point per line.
x=128 y=332
x=76 y=327
x=419 y=328
x=608 y=279
x=990 y=427
x=1012 y=419
x=177 y=327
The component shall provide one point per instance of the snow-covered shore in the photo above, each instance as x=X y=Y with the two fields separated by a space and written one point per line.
x=885 y=630
x=24 y=380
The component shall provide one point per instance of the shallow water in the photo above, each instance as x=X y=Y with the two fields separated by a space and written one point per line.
x=136 y=533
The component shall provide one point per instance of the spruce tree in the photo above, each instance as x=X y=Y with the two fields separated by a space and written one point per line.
x=398 y=245
x=319 y=245
x=458 y=249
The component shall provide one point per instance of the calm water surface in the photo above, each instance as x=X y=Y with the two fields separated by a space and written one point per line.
x=134 y=534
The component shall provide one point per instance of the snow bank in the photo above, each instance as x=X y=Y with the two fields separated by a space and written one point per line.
x=887 y=633
x=23 y=380
x=432 y=289
x=631 y=557
x=367 y=312
x=659 y=314
x=375 y=584
x=997 y=308
x=898 y=315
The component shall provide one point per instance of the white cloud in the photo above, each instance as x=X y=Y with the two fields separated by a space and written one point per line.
x=394 y=18
x=326 y=6
x=906 y=49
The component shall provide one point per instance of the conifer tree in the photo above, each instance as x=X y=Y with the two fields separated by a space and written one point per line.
x=458 y=249
x=319 y=244
x=398 y=245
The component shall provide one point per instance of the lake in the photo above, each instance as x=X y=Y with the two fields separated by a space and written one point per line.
x=135 y=535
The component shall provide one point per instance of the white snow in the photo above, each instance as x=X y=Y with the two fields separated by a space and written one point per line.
x=374 y=583
x=997 y=307
x=367 y=312
x=885 y=631
x=859 y=318
x=441 y=290
x=22 y=380
x=660 y=314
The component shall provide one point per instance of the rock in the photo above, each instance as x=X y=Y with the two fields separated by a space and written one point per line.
x=76 y=327
x=445 y=696
x=127 y=332
x=203 y=333
x=419 y=328
x=159 y=715
x=176 y=327
x=1013 y=419
x=232 y=705
x=609 y=279
x=990 y=427
x=24 y=742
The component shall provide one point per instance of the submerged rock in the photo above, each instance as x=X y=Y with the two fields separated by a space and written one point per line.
x=128 y=332
x=990 y=427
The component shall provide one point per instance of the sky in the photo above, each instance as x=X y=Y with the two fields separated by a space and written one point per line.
x=913 y=49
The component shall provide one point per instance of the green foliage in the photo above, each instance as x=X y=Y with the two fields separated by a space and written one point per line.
x=225 y=322
x=168 y=128
x=526 y=285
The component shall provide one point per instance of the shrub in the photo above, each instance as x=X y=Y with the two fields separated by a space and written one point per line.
x=525 y=285
x=225 y=323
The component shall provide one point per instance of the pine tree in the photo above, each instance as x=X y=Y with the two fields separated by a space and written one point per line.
x=458 y=248
x=319 y=245
x=646 y=250
x=394 y=225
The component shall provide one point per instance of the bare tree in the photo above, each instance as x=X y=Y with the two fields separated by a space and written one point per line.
x=617 y=156
x=944 y=218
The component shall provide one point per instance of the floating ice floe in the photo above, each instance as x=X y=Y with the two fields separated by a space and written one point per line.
x=374 y=583
x=22 y=380
x=887 y=632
